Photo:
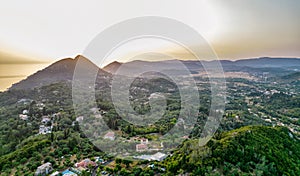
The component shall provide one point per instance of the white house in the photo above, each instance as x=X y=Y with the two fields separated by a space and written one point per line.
x=25 y=111
x=159 y=156
x=44 y=169
x=23 y=116
x=144 y=141
x=45 y=120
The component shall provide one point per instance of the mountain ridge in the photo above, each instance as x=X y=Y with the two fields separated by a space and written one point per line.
x=63 y=69
x=195 y=65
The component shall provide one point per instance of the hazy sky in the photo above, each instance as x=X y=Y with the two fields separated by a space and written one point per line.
x=44 y=31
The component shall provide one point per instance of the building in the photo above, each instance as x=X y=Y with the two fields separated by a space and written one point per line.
x=159 y=156
x=144 y=141
x=110 y=135
x=68 y=173
x=44 y=169
x=79 y=118
x=79 y=169
x=25 y=111
x=99 y=160
x=155 y=157
x=45 y=120
x=23 y=116
x=85 y=163
x=141 y=147
x=45 y=129
x=268 y=120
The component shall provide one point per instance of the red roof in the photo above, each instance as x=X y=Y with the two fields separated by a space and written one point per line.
x=85 y=163
x=141 y=146
x=110 y=134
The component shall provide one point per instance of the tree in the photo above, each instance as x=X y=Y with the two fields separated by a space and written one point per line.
x=127 y=163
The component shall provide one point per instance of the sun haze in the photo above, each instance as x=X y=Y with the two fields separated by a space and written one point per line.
x=35 y=32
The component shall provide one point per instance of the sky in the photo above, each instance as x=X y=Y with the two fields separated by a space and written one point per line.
x=35 y=32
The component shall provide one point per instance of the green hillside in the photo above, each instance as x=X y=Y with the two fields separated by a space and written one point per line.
x=251 y=150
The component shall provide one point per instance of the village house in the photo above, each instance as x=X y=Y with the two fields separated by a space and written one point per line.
x=85 y=164
x=141 y=147
x=159 y=156
x=44 y=129
x=44 y=169
x=144 y=141
x=23 y=117
x=110 y=135
x=68 y=173
x=99 y=160
x=25 y=111
x=155 y=157
x=79 y=118
x=45 y=119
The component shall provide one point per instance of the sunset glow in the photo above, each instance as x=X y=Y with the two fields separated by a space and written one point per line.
x=48 y=31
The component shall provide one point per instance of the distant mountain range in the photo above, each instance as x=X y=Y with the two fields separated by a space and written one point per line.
x=268 y=62
x=62 y=71
x=248 y=65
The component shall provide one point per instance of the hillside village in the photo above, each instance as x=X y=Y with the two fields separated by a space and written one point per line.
x=46 y=136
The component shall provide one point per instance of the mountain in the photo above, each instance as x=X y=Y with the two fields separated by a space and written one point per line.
x=60 y=71
x=112 y=67
x=265 y=64
x=269 y=62
x=249 y=150
x=139 y=66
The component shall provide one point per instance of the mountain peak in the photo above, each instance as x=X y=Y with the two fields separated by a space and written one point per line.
x=112 y=67
x=79 y=56
x=60 y=71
